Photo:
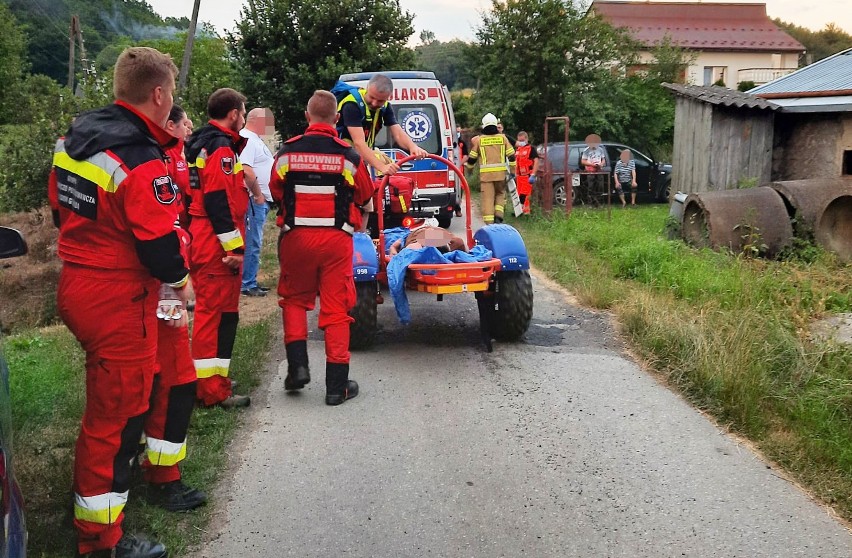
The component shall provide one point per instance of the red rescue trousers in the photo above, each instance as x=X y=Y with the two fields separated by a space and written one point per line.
x=172 y=400
x=113 y=316
x=217 y=303
x=317 y=260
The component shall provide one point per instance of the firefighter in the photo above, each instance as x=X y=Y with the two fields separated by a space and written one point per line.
x=526 y=160
x=318 y=187
x=494 y=153
x=116 y=207
x=173 y=394
x=217 y=212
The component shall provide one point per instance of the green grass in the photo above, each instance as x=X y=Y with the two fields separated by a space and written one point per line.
x=729 y=332
x=48 y=392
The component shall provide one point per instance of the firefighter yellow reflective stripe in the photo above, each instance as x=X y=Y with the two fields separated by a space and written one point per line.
x=498 y=209
x=103 y=508
x=163 y=453
x=209 y=367
x=486 y=165
x=100 y=169
x=230 y=240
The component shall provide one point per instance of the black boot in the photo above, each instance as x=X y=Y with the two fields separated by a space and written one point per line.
x=298 y=373
x=498 y=219
x=338 y=386
x=131 y=546
x=175 y=496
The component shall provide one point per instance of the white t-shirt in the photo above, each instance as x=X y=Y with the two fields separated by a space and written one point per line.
x=260 y=159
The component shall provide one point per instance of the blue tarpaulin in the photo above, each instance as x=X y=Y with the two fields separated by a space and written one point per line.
x=398 y=265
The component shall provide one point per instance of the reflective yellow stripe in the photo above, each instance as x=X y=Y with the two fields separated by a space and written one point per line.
x=103 y=508
x=200 y=163
x=163 y=453
x=498 y=209
x=230 y=240
x=238 y=167
x=208 y=367
x=107 y=179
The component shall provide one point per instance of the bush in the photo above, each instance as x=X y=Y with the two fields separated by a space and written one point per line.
x=746 y=85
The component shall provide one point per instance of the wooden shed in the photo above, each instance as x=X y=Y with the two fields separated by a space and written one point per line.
x=723 y=139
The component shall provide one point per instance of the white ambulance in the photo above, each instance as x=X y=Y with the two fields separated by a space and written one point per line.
x=423 y=109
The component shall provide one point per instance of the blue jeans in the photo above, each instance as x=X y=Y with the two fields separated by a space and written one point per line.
x=255 y=218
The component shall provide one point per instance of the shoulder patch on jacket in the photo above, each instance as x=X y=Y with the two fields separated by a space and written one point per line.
x=227 y=165
x=165 y=190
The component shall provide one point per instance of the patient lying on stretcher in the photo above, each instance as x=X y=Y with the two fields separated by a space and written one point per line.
x=429 y=234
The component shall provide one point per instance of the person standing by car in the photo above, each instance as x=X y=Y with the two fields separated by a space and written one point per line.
x=493 y=152
x=257 y=165
x=318 y=186
x=593 y=160
x=117 y=207
x=218 y=212
x=526 y=159
x=625 y=177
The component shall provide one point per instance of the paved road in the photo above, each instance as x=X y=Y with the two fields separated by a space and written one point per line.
x=559 y=446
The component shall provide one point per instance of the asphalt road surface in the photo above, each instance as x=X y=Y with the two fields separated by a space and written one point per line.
x=557 y=446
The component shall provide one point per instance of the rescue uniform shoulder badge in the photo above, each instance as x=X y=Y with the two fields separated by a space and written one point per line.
x=227 y=165
x=165 y=190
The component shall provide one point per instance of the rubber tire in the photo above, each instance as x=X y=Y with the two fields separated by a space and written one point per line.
x=362 y=332
x=513 y=314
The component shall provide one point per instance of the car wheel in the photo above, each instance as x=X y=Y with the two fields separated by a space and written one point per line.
x=559 y=196
x=664 y=195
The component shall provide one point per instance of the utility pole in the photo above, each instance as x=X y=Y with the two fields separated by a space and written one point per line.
x=75 y=36
x=72 y=36
x=187 y=52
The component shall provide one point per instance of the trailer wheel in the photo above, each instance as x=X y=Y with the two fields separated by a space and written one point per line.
x=513 y=305
x=362 y=332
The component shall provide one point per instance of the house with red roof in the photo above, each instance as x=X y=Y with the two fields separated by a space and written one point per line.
x=731 y=42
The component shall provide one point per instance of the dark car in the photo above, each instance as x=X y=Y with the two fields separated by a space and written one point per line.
x=13 y=536
x=654 y=178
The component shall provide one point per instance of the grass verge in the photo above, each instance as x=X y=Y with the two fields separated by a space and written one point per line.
x=731 y=333
x=48 y=394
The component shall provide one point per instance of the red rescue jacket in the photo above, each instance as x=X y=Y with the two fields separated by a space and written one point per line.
x=116 y=203
x=319 y=180
x=217 y=183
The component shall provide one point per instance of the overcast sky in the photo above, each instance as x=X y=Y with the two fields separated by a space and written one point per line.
x=450 y=19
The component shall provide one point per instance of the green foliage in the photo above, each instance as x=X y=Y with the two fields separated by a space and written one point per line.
x=12 y=65
x=103 y=22
x=210 y=68
x=286 y=49
x=670 y=62
x=448 y=60
x=818 y=44
x=746 y=85
x=533 y=58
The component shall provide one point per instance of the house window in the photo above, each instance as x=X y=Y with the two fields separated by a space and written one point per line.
x=847 y=162
x=712 y=74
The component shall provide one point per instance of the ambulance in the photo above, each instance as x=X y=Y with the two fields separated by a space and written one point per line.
x=424 y=111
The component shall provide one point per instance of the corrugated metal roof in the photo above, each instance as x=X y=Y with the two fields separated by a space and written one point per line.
x=716 y=95
x=829 y=75
x=699 y=26
x=837 y=103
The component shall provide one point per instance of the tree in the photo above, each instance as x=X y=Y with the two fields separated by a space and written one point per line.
x=818 y=44
x=448 y=60
x=12 y=66
x=286 y=49
x=534 y=57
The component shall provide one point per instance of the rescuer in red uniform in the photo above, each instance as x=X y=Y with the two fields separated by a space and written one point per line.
x=319 y=189
x=217 y=226
x=526 y=159
x=117 y=241
x=173 y=395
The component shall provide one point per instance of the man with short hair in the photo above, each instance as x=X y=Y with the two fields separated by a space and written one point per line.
x=360 y=123
x=218 y=211
x=257 y=165
x=319 y=183
x=116 y=209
